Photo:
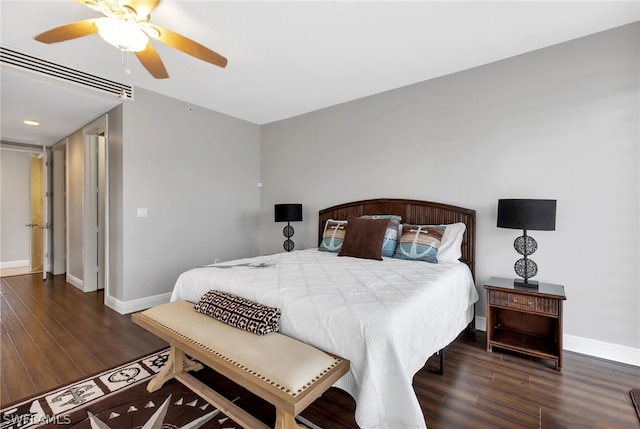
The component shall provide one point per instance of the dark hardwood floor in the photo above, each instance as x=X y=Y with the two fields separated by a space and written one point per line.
x=53 y=334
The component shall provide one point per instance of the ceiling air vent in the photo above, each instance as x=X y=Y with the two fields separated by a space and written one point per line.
x=21 y=61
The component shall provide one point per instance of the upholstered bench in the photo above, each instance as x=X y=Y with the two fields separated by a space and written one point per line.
x=283 y=371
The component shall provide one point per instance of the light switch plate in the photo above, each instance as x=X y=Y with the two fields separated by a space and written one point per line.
x=143 y=212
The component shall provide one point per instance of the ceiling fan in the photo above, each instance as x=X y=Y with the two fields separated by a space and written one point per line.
x=126 y=25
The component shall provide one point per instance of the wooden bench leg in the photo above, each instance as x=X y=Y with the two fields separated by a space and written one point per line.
x=285 y=420
x=165 y=373
x=176 y=363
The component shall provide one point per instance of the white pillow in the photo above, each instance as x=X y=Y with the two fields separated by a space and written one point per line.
x=451 y=246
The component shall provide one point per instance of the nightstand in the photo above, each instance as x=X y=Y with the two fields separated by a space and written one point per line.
x=525 y=320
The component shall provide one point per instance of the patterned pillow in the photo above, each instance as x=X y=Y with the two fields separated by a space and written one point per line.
x=333 y=236
x=420 y=242
x=239 y=312
x=391 y=235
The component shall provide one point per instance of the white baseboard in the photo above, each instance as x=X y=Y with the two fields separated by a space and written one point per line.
x=14 y=264
x=75 y=281
x=589 y=347
x=601 y=349
x=481 y=323
x=126 y=307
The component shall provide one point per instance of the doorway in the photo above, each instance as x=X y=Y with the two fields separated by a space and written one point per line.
x=22 y=173
x=69 y=225
x=79 y=207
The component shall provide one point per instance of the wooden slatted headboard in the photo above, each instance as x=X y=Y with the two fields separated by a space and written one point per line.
x=412 y=211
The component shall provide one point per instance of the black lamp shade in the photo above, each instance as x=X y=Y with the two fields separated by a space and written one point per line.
x=536 y=215
x=288 y=212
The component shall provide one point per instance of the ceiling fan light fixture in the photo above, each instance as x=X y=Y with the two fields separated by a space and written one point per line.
x=151 y=31
x=126 y=26
x=126 y=36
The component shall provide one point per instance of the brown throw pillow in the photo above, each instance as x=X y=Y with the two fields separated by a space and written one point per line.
x=364 y=238
x=239 y=312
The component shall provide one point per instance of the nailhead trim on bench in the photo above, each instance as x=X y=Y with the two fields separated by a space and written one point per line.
x=242 y=367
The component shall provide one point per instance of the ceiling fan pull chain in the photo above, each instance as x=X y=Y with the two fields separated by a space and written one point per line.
x=124 y=54
x=128 y=70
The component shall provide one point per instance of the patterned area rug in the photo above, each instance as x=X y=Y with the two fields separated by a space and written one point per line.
x=118 y=399
x=635 y=398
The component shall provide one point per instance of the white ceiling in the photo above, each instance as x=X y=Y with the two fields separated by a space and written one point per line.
x=285 y=58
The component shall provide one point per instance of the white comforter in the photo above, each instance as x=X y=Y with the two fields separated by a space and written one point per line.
x=387 y=317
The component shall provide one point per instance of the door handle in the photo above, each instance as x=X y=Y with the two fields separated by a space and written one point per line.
x=30 y=225
x=45 y=226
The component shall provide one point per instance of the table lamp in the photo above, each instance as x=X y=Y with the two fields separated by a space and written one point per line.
x=537 y=215
x=288 y=213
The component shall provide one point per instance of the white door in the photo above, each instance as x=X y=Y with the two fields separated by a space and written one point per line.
x=46 y=214
x=95 y=212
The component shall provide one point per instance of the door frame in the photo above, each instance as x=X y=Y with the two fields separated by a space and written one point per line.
x=47 y=204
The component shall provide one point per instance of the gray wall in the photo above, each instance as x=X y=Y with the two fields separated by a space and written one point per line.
x=196 y=171
x=116 y=192
x=561 y=123
x=15 y=210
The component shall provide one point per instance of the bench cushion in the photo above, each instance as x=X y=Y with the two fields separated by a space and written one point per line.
x=284 y=362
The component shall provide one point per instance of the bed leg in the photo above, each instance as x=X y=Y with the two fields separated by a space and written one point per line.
x=441 y=353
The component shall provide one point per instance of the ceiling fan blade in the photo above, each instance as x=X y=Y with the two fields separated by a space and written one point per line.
x=68 y=32
x=189 y=47
x=143 y=8
x=152 y=62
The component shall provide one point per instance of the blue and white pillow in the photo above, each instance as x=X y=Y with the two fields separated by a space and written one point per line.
x=333 y=236
x=420 y=242
x=391 y=235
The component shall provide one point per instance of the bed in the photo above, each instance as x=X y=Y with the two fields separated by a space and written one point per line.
x=386 y=316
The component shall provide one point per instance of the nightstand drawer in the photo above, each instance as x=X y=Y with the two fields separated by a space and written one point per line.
x=518 y=301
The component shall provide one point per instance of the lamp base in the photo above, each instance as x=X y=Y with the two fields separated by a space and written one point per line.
x=527 y=284
x=288 y=245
